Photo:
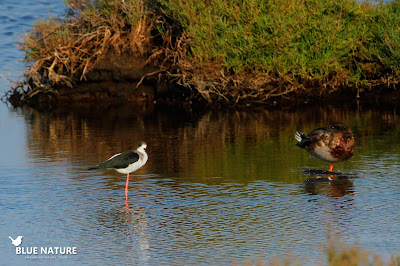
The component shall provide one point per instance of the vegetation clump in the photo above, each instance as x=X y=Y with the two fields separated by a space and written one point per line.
x=61 y=52
x=219 y=50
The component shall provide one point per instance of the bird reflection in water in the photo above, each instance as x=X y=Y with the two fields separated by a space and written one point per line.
x=337 y=188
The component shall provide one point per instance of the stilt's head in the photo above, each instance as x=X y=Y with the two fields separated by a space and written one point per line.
x=142 y=145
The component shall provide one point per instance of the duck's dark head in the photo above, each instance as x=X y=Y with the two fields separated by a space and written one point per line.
x=345 y=134
x=339 y=127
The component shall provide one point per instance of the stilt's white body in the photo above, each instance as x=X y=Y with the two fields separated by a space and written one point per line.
x=136 y=165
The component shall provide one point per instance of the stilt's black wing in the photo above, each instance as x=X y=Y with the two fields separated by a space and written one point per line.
x=119 y=161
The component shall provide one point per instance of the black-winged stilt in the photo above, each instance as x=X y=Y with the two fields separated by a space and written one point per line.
x=126 y=162
x=332 y=144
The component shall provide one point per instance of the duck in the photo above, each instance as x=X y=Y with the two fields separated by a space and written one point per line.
x=332 y=144
x=126 y=162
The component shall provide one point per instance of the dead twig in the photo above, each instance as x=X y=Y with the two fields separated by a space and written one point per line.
x=148 y=74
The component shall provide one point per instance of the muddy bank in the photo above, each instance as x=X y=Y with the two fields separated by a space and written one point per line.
x=120 y=78
x=116 y=78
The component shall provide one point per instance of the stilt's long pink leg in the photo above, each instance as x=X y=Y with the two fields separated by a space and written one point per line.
x=126 y=187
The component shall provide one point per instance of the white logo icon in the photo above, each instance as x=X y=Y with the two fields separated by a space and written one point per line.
x=16 y=242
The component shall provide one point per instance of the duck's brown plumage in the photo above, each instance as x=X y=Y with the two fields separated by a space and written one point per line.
x=334 y=143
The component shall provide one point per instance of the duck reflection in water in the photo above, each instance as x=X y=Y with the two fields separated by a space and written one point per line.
x=337 y=188
x=332 y=144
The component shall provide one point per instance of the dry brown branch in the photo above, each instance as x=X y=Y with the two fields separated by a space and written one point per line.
x=146 y=75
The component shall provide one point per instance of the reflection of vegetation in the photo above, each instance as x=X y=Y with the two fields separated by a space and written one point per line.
x=222 y=50
x=240 y=146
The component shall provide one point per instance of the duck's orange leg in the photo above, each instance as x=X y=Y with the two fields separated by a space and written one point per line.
x=330 y=170
x=126 y=187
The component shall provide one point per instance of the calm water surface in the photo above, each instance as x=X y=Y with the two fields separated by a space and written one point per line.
x=219 y=187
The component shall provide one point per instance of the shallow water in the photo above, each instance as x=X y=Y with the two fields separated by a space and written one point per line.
x=220 y=186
